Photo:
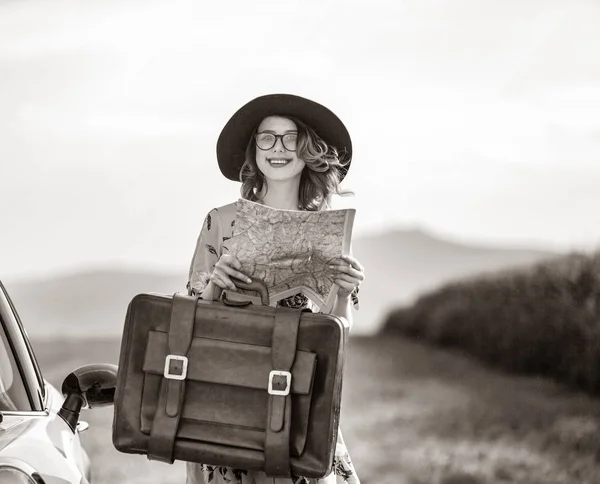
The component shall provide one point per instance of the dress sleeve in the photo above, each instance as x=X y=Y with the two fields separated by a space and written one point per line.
x=206 y=255
x=354 y=296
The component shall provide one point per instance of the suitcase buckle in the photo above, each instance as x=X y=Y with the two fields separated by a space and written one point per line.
x=288 y=382
x=176 y=376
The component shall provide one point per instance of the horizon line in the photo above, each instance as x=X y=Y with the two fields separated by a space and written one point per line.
x=173 y=270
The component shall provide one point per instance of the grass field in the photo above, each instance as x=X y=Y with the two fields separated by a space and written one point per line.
x=411 y=414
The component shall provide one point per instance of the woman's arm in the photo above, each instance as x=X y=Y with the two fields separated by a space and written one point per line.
x=343 y=310
x=206 y=255
x=349 y=274
x=209 y=291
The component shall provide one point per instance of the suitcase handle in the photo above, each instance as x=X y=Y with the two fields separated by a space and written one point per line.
x=256 y=285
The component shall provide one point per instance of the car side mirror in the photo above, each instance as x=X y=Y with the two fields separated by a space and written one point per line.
x=88 y=386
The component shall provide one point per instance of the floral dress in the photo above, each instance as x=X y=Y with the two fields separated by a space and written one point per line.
x=212 y=242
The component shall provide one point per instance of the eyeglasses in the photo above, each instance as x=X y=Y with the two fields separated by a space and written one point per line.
x=266 y=141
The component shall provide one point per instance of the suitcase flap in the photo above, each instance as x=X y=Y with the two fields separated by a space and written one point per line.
x=229 y=363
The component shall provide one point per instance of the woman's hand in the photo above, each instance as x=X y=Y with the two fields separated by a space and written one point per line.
x=227 y=267
x=348 y=274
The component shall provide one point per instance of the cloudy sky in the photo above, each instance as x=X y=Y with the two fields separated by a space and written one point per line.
x=478 y=120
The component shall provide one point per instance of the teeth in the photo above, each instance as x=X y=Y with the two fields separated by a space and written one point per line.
x=278 y=162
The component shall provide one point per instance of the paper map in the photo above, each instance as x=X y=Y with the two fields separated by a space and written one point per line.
x=290 y=250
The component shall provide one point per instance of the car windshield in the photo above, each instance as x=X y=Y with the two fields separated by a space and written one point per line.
x=13 y=396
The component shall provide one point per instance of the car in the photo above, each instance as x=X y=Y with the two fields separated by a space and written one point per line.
x=39 y=425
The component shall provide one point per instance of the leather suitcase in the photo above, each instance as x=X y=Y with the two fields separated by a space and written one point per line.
x=228 y=383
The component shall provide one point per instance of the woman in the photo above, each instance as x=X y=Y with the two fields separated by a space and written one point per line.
x=288 y=153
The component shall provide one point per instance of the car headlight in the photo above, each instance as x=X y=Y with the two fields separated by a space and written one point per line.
x=13 y=474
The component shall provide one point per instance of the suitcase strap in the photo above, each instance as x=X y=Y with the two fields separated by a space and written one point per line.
x=279 y=416
x=172 y=388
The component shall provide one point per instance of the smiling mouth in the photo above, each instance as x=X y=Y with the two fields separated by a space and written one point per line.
x=278 y=161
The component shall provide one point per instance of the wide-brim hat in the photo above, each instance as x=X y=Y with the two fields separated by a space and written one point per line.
x=233 y=140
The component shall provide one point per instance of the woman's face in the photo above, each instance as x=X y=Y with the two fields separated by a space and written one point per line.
x=278 y=162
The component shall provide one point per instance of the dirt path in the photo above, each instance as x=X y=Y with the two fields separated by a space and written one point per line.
x=420 y=415
x=411 y=414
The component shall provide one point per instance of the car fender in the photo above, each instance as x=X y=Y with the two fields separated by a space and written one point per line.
x=44 y=441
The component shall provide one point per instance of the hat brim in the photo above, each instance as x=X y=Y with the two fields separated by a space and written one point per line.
x=233 y=140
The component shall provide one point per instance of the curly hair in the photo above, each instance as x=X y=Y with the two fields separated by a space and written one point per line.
x=319 y=180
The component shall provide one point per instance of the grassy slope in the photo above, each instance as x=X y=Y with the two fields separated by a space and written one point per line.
x=411 y=414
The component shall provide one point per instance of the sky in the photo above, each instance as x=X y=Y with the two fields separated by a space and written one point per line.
x=476 y=120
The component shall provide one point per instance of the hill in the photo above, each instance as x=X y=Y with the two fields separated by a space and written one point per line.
x=90 y=303
x=399 y=265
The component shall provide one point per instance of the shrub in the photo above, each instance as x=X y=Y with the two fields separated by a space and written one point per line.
x=543 y=319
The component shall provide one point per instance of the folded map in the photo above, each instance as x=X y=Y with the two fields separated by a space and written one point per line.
x=290 y=250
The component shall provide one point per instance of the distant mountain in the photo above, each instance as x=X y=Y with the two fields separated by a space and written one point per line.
x=85 y=304
x=401 y=264
x=398 y=265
